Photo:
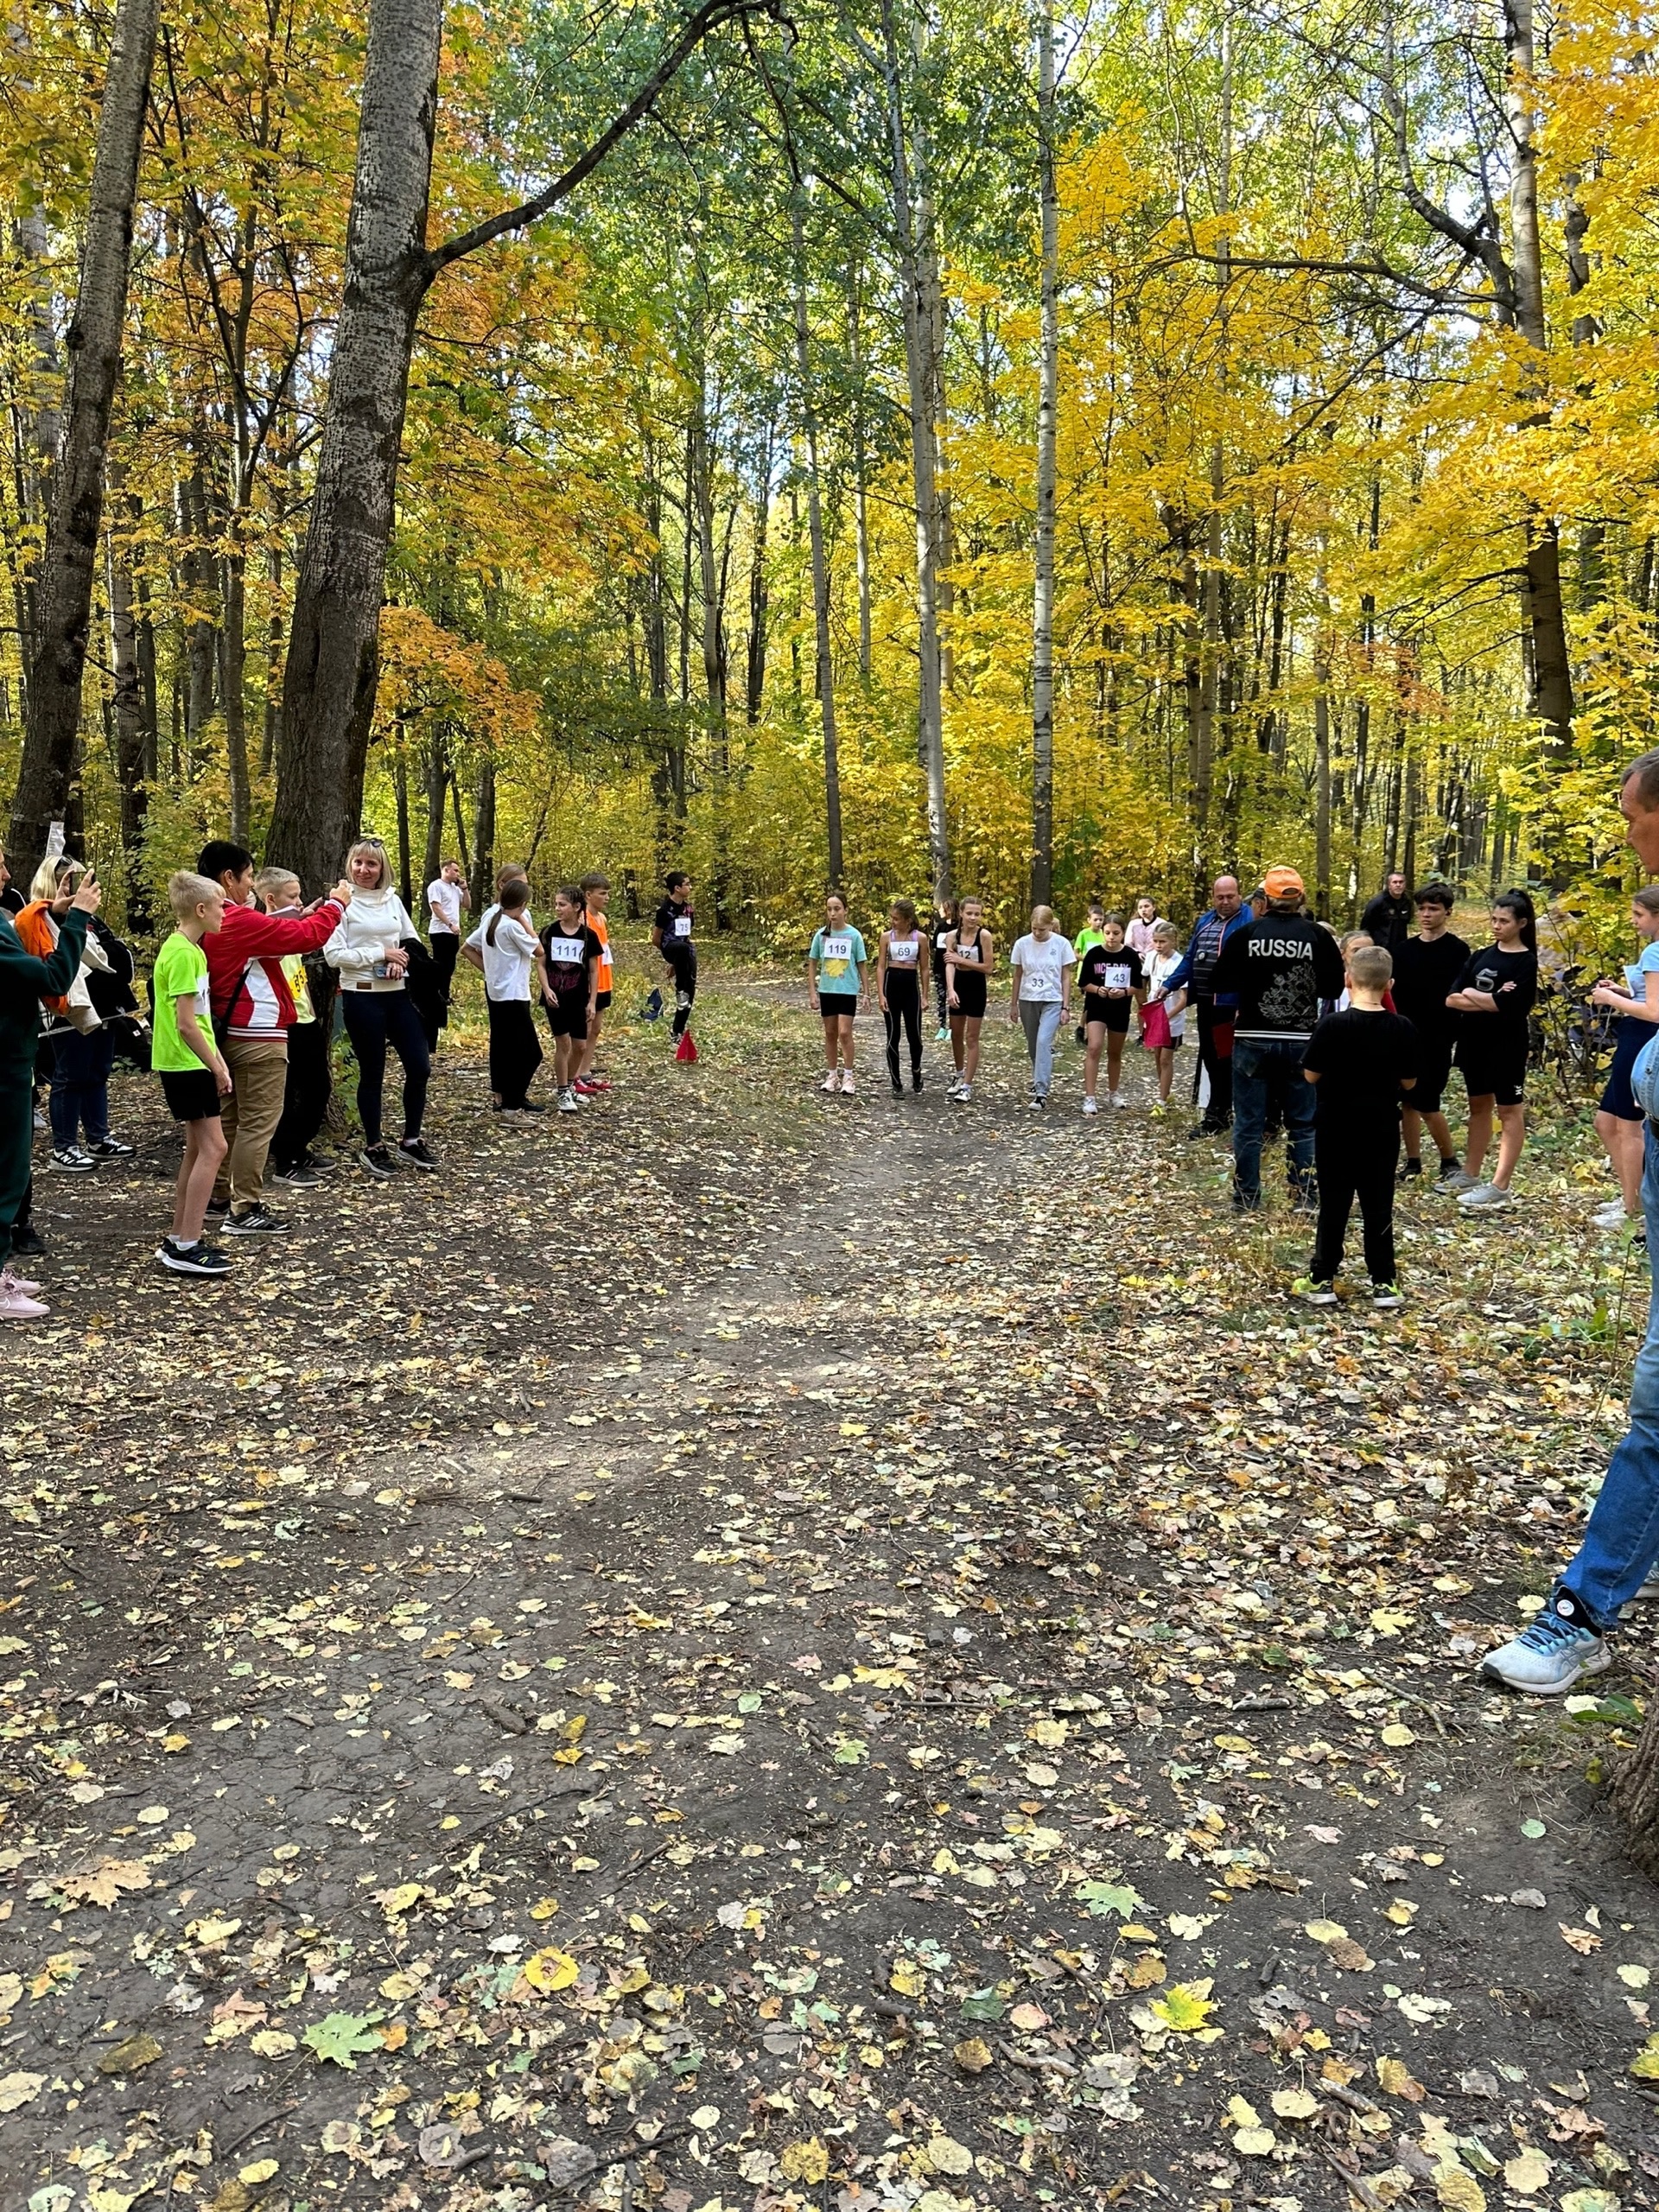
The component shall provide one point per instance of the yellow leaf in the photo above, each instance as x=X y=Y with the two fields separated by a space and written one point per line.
x=406 y=1895
x=550 y=1969
x=1255 y=2142
x=1527 y=2174
x=1325 y=1931
x=946 y=2156
x=1394 y=2076
x=1242 y=2113
x=261 y=2169
x=907 y=1978
x=1458 y=2190
x=1295 y=2104
x=1396 y=1736
x=973 y=2055
x=1185 y=2008
x=808 y=2161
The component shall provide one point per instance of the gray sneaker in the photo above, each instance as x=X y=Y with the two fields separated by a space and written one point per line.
x=1486 y=1197
x=1455 y=1184
x=1547 y=1659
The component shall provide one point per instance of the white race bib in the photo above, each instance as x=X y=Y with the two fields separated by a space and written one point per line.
x=1115 y=979
x=943 y=939
x=682 y=924
x=901 y=952
x=835 y=948
x=566 y=952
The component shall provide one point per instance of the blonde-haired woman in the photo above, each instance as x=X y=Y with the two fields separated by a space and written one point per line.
x=368 y=953
x=1042 y=962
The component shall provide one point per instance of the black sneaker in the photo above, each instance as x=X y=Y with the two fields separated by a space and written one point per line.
x=318 y=1164
x=1411 y=1171
x=530 y=1106
x=299 y=1176
x=378 y=1159
x=417 y=1154
x=28 y=1243
x=1448 y=1168
x=197 y=1259
x=916 y=1079
x=220 y=1207
x=112 y=1148
x=70 y=1160
x=898 y=1090
x=257 y=1220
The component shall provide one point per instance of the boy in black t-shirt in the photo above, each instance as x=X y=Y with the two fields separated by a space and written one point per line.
x=1427 y=968
x=671 y=932
x=1362 y=1060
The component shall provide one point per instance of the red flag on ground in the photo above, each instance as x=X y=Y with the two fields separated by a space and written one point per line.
x=685 y=1050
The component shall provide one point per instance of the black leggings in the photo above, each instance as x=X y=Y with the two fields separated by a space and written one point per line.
x=684 y=968
x=940 y=983
x=904 y=994
x=515 y=1051
x=373 y=1020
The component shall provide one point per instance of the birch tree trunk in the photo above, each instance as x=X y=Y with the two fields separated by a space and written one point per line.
x=70 y=555
x=860 y=466
x=132 y=738
x=925 y=467
x=1042 y=654
x=820 y=562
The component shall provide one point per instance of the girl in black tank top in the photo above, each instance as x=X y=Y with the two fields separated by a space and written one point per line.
x=967 y=971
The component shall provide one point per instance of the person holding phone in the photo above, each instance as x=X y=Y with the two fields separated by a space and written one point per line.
x=27 y=978
x=367 y=949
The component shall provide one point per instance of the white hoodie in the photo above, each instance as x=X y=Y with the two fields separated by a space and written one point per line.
x=375 y=924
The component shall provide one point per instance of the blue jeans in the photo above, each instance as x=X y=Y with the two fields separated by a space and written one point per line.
x=81 y=1086
x=1258 y=1072
x=1621 y=1542
x=1040 y=1020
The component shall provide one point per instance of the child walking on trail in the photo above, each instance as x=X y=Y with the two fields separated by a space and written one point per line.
x=834 y=977
x=1619 y=1120
x=194 y=1077
x=1362 y=1059
x=1166 y=959
x=1042 y=962
x=899 y=989
x=1112 y=980
x=671 y=932
x=967 y=971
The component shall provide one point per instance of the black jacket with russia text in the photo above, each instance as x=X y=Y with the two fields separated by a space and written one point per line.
x=1280 y=967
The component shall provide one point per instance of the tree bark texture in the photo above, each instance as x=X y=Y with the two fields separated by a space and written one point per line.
x=820 y=559
x=1042 y=650
x=70 y=555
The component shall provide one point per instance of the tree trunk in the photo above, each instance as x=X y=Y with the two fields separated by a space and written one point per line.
x=1042 y=653
x=437 y=776
x=400 y=784
x=755 y=692
x=860 y=467
x=70 y=555
x=132 y=741
x=820 y=564
x=483 y=838
x=332 y=668
x=236 y=663
x=1634 y=1798
x=924 y=454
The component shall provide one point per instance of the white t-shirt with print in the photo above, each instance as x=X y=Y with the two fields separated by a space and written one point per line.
x=508 y=961
x=1160 y=968
x=1042 y=967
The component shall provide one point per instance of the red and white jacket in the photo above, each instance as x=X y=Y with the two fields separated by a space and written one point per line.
x=245 y=981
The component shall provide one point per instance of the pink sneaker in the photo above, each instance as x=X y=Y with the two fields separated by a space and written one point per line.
x=13 y=1281
x=17 y=1306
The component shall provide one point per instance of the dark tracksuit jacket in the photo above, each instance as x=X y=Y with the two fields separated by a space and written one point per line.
x=24 y=982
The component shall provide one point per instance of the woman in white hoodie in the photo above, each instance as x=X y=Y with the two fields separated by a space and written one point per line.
x=367 y=951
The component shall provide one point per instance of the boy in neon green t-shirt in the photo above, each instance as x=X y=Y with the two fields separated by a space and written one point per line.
x=185 y=1054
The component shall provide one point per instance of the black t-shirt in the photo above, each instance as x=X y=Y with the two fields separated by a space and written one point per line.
x=12 y=899
x=938 y=933
x=569 y=954
x=1512 y=979
x=1426 y=972
x=1281 y=967
x=674 y=927
x=1104 y=972
x=1359 y=1058
x=1387 y=921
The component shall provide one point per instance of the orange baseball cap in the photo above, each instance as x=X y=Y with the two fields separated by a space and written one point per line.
x=1283 y=883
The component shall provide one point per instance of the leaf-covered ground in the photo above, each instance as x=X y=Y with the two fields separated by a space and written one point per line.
x=756 y=1651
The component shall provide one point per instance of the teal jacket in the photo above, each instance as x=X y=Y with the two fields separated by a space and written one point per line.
x=24 y=982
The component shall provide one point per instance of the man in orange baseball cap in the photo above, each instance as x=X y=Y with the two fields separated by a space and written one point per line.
x=1280 y=967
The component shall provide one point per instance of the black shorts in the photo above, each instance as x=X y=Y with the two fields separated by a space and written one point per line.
x=567 y=1016
x=1434 y=1073
x=834 y=1006
x=192 y=1094
x=1617 y=1098
x=1496 y=1070
x=1114 y=1013
x=970 y=996
x=601 y=999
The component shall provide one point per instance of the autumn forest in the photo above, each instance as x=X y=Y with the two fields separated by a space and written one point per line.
x=919 y=447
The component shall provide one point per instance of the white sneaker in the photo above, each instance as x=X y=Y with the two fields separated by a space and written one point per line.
x=1547 y=1658
x=1609 y=1217
x=1091 y=1105
x=848 y=1088
x=568 y=1102
x=1486 y=1197
x=966 y=1094
x=831 y=1082
x=16 y=1305
x=1114 y=1099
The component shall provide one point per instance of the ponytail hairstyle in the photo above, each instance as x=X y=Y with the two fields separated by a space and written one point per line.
x=1519 y=904
x=515 y=897
x=1647 y=899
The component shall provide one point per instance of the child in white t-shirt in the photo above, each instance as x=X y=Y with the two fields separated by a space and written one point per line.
x=1164 y=960
x=506 y=946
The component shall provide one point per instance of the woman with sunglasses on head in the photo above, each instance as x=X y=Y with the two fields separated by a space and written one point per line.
x=368 y=951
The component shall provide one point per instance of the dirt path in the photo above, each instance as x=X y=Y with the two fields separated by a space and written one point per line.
x=761 y=1652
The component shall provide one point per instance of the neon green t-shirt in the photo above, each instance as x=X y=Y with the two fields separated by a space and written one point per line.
x=1085 y=941
x=181 y=972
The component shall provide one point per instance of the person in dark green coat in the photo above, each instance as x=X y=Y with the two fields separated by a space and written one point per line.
x=24 y=982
